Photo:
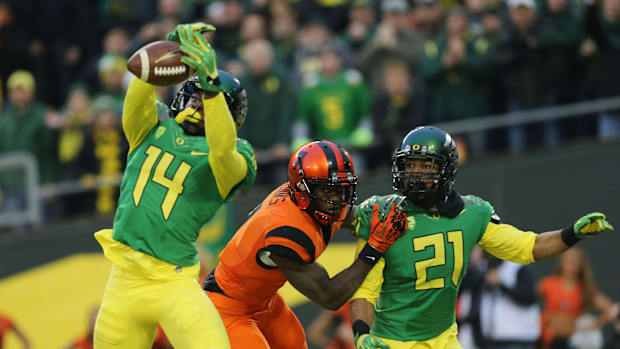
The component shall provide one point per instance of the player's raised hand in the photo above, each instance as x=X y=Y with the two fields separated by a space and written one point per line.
x=201 y=57
x=590 y=225
x=385 y=229
x=197 y=27
x=367 y=341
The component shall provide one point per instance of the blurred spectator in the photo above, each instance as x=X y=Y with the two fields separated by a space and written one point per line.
x=400 y=106
x=253 y=26
x=468 y=301
x=508 y=293
x=603 y=24
x=57 y=50
x=7 y=324
x=103 y=156
x=456 y=68
x=76 y=119
x=112 y=69
x=361 y=26
x=567 y=295
x=226 y=16
x=272 y=104
x=522 y=74
x=116 y=42
x=312 y=37
x=427 y=18
x=333 y=12
x=392 y=39
x=23 y=128
x=283 y=31
x=169 y=14
x=335 y=105
x=126 y=14
x=615 y=339
x=332 y=329
x=560 y=37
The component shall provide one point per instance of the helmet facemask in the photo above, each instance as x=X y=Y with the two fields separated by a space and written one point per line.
x=191 y=120
x=424 y=166
x=426 y=186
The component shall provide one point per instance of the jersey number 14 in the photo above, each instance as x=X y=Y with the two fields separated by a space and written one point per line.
x=174 y=185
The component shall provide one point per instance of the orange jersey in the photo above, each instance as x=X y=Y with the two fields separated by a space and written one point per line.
x=558 y=299
x=277 y=226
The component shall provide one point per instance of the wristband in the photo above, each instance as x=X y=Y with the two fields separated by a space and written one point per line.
x=370 y=255
x=360 y=328
x=568 y=236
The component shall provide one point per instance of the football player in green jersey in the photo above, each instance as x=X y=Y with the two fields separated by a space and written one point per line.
x=414 y=288
x=184 y=162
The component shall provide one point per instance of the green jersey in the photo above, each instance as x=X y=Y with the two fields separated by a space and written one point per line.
x=169 y=192
x=334 y=107
x=424 y=268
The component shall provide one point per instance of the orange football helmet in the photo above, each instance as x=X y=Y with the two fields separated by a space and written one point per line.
x=322 y=163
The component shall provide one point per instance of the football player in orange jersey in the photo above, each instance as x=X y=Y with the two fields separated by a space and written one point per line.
x=281 y=241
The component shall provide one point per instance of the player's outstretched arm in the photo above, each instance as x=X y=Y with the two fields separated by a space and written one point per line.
x=139 y=112
x=229 y=166
x=552 y=243
x=312 y=280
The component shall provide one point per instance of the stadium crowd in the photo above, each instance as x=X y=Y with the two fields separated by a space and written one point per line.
x=358 y=72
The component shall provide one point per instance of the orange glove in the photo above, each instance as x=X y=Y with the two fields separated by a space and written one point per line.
x=383 y=233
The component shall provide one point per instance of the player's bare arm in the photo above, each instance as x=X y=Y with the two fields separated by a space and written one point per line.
x=312 y=280
x=552 y=243
x=363 y=310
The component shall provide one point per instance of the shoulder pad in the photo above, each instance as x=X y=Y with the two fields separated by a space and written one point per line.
x=476 y=202
x=353 y=77
x=310 y=80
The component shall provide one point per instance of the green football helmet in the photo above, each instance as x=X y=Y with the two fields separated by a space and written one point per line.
x=429 y=187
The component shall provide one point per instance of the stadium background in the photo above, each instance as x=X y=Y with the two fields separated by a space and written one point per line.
x=51 y=269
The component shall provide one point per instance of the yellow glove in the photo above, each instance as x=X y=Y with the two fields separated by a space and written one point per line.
x=197 y=27
x=201 y=57
x=590 y=225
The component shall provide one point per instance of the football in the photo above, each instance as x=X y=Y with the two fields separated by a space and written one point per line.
x=159 y=63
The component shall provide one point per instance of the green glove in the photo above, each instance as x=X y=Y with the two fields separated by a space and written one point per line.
x=201 y=57
x=197 y=27
x=367 y=341
x=590 y=225
x=362 y=137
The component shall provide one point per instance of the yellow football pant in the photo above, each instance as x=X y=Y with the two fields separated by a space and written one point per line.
x=446 y=340
x=133 y=305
